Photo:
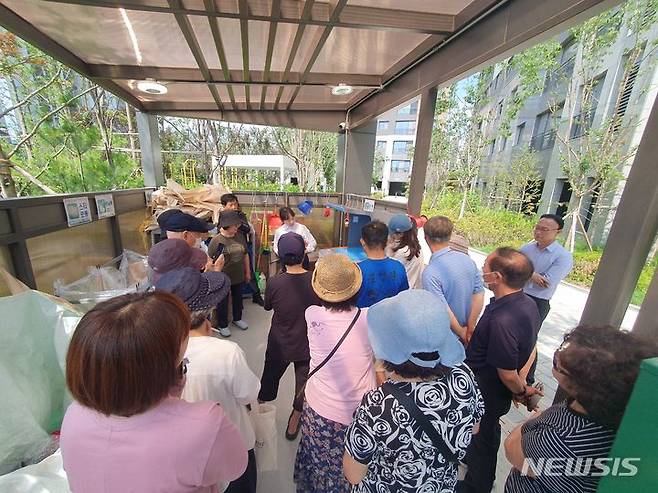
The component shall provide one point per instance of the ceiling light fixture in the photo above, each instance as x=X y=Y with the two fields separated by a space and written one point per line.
x=150 y=86
x=341 y=90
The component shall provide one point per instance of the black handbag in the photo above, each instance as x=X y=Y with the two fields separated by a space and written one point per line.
x=422 y=420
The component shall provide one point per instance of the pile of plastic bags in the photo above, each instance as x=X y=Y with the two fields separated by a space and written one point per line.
x=127 y=273
x=35 y=330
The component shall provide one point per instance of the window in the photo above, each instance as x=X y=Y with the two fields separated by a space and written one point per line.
x=400 y=166
x=519 y=134
x=625 y=92
x=503 y=142
x=492 y=148
x=405 y=127
x=499 y=108
x=582 y=122
x=382 y=125
x=402 y=147
x=543 y=136
x=410 y=109
x=381 y=146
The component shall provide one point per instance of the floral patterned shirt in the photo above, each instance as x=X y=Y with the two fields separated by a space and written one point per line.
x=399 y=455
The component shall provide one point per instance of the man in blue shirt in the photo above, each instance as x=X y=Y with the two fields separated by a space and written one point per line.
x=383 y=277
x=551 y=263
x=454 y=277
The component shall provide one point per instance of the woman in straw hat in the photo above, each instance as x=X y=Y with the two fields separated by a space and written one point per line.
x=341 y=373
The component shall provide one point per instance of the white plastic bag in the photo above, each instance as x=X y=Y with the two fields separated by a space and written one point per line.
x=46 y=476
x=34 y=333
x=106 y=281
x=263 y=417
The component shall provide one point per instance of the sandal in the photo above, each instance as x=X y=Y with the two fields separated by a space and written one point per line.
x=293 y=436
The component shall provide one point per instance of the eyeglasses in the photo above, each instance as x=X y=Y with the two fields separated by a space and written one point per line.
x=542 y=229
x=182 y=368
x=556 y=367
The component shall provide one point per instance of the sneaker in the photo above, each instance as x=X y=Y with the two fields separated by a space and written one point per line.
x=225 y=331
x=241 y=324
x=258 y=299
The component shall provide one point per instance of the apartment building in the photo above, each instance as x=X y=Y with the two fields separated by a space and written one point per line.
x=542 y=125
x=396 y=136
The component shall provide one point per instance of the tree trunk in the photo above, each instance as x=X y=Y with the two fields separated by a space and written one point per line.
x=131 y=137
x=13 y=92
x=462 y=209
x=7 y=184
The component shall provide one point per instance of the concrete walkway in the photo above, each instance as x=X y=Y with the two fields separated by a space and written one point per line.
x=567 y=306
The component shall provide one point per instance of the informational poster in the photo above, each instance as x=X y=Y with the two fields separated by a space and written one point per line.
x=105 y=205
x=368 y=205
x=77 y=211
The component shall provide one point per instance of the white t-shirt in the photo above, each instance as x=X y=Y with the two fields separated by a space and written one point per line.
x=413 y=267
x=298 y=228
x=218 y=371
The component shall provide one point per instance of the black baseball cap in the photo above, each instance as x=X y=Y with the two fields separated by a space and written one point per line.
x=177 y=221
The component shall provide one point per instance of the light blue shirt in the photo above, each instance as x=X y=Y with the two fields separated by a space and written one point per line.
x=553 y=262
x=455 y=278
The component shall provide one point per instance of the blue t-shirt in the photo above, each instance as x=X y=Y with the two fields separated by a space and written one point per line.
x=382 y=279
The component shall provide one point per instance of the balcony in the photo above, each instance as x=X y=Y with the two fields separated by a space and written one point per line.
x=543 y=141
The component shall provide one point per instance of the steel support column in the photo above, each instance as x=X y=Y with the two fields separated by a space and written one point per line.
x=421 y=150
x=356 y=153
x=631 y=236
x=149 y=143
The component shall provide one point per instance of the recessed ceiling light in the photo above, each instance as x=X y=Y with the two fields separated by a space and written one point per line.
x=341 y=90
x=151 y=87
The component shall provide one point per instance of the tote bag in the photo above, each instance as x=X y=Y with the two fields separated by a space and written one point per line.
x=263 y=417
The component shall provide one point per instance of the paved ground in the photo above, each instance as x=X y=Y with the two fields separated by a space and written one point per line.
x=567 y=306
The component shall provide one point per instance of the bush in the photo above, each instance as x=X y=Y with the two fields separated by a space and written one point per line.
x=485 y=228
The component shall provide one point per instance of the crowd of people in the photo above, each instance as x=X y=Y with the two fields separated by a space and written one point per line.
x=401 y=378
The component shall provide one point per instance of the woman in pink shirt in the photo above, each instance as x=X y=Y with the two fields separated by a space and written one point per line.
x=128 y=430
x=341 y=373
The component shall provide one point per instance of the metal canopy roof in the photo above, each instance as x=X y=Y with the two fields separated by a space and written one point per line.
x=275 y=61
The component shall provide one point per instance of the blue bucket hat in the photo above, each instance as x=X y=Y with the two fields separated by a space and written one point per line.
x=414 y=321
x=399 y=223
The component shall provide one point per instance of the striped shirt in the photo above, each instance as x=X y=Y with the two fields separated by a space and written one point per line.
x=573 y=441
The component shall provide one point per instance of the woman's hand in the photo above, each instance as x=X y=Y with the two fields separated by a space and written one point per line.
x=217 y=265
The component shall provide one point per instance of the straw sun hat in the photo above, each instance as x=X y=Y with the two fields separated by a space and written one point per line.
x=336 y=278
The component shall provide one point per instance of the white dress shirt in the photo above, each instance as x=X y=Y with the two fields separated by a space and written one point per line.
x=298 y=228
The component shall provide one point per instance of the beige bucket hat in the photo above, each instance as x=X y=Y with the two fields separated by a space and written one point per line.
x=336 y=278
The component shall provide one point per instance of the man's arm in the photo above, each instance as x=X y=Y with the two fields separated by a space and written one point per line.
x=247 y=267
x=526 y=368
x=558 y=270
x=477 y=303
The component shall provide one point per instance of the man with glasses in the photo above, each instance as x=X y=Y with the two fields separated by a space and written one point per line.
x=552 y=263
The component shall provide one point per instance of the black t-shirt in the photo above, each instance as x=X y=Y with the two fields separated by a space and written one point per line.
x=505 y=335
x=289 y=295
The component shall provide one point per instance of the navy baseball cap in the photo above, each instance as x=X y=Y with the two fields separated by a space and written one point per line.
x=291 y=243
x=177 y=221
x=199 y=291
